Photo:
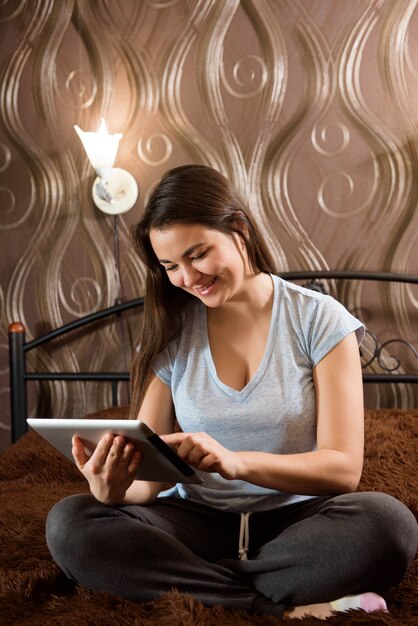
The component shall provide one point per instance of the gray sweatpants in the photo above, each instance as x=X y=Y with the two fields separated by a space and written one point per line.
x=314 y=551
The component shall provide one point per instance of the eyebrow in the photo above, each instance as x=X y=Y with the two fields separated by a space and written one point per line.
x=186 y=252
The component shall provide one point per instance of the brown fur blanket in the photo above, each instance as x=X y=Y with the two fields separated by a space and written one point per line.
x=33 y=476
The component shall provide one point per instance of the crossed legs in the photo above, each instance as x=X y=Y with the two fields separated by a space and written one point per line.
x=308 y=553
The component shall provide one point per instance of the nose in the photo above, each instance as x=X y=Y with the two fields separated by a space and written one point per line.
x=190 y=276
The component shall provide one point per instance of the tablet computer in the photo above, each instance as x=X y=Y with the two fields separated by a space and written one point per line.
x=159 y=462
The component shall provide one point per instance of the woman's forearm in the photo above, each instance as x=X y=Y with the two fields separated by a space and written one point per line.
x=141 y=492
x=310 y=473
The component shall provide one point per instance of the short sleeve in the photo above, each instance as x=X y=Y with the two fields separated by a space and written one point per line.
x=330 y=323
x=163 y=364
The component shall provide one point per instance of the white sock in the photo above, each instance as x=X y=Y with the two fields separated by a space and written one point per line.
x=369 y=602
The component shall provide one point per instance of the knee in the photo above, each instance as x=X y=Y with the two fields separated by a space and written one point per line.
x=403 y=531
x=393 y=530
x=63 y=525
x=396 y=522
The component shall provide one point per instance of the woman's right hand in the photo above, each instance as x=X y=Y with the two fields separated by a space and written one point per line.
x=111 y=468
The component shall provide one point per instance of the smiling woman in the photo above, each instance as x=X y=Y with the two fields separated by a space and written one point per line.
x=217 y=271
x=198 y=198
x=257 y=384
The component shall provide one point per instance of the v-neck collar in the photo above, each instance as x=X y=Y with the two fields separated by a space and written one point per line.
x=242 y=394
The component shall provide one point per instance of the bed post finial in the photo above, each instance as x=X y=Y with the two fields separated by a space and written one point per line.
x=16 y=327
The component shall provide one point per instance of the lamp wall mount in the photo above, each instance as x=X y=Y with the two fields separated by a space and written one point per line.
x=116 y=192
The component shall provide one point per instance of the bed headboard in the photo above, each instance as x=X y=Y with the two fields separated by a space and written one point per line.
x=19 y=376
x=318 y=280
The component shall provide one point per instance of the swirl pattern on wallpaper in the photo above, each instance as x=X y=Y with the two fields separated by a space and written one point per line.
x=308 y=108
x=399 y=71
x=156 y=150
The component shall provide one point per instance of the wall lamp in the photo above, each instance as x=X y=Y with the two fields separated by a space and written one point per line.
x=114 y=190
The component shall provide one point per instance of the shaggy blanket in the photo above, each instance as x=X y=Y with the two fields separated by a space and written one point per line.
x=33 y=590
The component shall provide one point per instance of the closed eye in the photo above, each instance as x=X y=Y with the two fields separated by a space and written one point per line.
x=199 y=256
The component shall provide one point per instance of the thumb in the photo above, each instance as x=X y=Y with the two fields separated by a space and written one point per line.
x=79 y=453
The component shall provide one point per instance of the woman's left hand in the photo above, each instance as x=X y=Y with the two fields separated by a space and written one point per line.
x=204 y=453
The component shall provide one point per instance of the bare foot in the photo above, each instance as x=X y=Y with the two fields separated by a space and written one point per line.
x=368 y=602
x=322 y=611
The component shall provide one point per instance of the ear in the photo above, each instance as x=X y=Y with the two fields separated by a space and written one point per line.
x=242 y=242
x=241 y=222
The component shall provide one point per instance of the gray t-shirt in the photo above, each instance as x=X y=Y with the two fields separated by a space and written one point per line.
x=275 y=411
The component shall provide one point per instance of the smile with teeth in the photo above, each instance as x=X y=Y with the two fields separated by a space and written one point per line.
x=204 y=290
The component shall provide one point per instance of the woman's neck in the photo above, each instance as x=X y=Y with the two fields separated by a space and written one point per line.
x=256 y=299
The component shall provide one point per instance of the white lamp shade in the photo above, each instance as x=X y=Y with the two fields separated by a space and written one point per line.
x=100 y=146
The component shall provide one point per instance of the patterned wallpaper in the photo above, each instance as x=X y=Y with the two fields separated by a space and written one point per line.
x=309 y=106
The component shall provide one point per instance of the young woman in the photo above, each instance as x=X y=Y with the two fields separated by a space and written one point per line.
x=257 y=384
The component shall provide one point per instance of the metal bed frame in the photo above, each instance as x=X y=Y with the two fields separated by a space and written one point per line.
x=18 y=347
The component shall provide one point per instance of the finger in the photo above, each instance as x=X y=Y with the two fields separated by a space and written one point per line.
x=174 y=439
x=195 y=455
x=101 y=451
x=184 y=442
x=116 y=450
x=127 y=452
x=192 y=447
x=209 y=463
x=78 y=452
x=189 y=452
x=134 y=462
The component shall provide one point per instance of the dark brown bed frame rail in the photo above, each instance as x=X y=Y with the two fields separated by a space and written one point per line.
x=18 y=347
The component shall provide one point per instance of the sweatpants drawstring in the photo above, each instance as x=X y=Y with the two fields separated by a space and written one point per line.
x=244 y=537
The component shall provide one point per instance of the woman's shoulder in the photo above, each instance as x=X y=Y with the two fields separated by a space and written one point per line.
x=311 y=293
x=315 y=315
x=303 y=299
x=307 y=304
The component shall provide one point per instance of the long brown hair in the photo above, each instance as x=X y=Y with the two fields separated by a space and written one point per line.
x=190 y=194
